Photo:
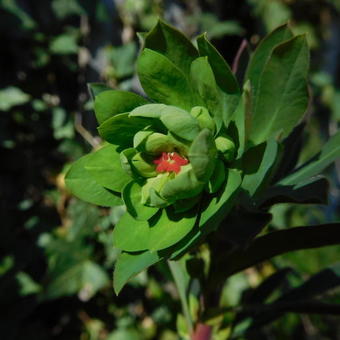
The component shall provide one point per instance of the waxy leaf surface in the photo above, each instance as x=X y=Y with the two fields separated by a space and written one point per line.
x=82 y=184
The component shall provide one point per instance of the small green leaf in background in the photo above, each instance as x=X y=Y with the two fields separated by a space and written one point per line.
x=122 y=59
x=12 y=96
x=83 y=278
x=66 y=43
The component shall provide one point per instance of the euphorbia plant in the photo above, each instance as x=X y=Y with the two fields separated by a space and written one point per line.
x=199 y=161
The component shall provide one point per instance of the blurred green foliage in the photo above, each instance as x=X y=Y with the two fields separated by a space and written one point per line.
x=57 y=254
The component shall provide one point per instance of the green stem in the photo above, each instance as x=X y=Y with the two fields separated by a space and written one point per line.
x=181 y=284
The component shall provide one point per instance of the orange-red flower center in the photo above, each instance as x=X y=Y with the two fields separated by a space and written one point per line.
x=170 y=162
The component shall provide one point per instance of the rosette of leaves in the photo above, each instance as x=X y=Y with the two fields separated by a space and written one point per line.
x=198 y=145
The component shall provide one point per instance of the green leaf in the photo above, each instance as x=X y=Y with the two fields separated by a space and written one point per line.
x=223 y=74
x=96 y=88
x=104 y=166
x=282 y=96
x=12 y=96
x=220 y=205
x=85 y=275
x=184 y=185
x=281 y=242
x=120 y=129
x=126 y=160
x=171 y=43
x=170 y=228
x=204 y=81
x=202 y=155
x=325 y=280
x=252 y=183
x=153 y=110
x=143 y=165
x=262 y=54
x=314 y=190
x=162 y=231
x=164 y=82
x=110 y=103
x=130 y=234
x=132 y=196
x=182 y=280
x=80 y=182
x=329 y=153
x=64 y=44
x=241 y=120
x=182 y=124
x=203 y=117
x=128 y=265
x=217 y=178
x=176 y=120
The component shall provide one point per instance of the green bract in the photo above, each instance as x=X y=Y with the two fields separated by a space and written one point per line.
x=199 y=144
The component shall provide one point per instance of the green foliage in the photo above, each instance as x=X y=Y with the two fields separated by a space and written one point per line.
x=146 y=137
x=59 y=251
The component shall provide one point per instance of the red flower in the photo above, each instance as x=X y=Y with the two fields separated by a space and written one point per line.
x=170 y=162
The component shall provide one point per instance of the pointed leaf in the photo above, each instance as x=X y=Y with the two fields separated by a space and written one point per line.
x=171 y=43
x=223 y=74
x=129 y=265
x=204 y=81
x=329 y=153
x=282 y=96
x=263 y=52
x=164 y=82
x=314 y=190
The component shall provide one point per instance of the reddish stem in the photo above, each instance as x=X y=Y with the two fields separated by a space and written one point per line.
x=202 y=332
